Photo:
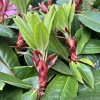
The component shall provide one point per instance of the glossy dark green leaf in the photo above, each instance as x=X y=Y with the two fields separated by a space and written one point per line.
x=5 y=69
x=51 y=73
x=86 y=92
x=23 y=72
x=84 y=89
x=31 y=95
x=86 y=74
x=29 y=57
x=32 y=81
x=75 y=71
x=92 y=47
x=2 y=84
x=62 y=67
x=61 y=88
x=5 y=31
x=75 y=25
x=57 y=44
x=12 y=80
x=41 y=37
x=7 y=55
x=89 y=97
x=91 y=20
x=83 y=35
x=11 y=93
x=96 y=3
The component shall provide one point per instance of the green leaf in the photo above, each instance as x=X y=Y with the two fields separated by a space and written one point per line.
x=96 y=3
x=68 y=10
x=71 y=16
x=91 y=58
x=86 y=92
x=87 y=62
x=37 y=14
x=25 y=32
x=5 y=69
x=28 y=18
x=32 y=81
x=2 y=84
x=41 y=37
x=29 y=57
x=56 y=43
x=7 y=55
x=21 y=5
x=62 y=67
x=86 y=74
x=63 y=21
x=55 y=20
x=75 y=25
x=91 y=20
x=83 y=35
x=34 y=21
x=11 y=93
x=89 y=97
x=51 y=73
x=5 y=31
x=61 y=88
x=92 y=47
x=49 y=19
x=85 y=6
x=75 y=71
x=84 y=89
x=20 y=72
x=31 y=95
x=12 y=80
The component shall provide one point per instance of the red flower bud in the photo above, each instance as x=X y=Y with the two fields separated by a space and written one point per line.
x=20 y=40
x=50 y=2
x=50 y=57
x=44 y=8
x=52 y=62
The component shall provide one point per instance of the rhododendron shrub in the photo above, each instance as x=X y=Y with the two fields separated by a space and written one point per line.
x=49 y=52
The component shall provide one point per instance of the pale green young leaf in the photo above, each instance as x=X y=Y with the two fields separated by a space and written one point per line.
x=40 y=20
x=54 y=20
x=34 y=21
x=71 y=16
x=28 y=18
x=25 y=32
x=21 y=5
x=49 y=18
x=75 y=71
x=62 y=18
x=68 y=10
x=41 y=36
x=87 y=62
x=65 y=6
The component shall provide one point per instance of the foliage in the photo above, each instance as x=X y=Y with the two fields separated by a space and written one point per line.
x=50 y=52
